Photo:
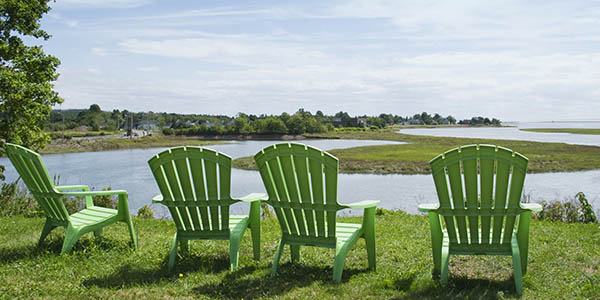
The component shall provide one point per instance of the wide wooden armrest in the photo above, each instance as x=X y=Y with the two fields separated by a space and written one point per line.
x=253 y=197
x=95 y=193
x=534 y=207
x=84 y=188
x=157 y=199
x=427 y=207
x=363 y=204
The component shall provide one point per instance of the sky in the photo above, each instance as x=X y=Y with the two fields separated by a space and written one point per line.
x=512 y=60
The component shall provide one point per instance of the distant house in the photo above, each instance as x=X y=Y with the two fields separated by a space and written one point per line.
x=209 y=124
x=445 y=122
x=412 y=122
x=361 y=122
x=147 y=125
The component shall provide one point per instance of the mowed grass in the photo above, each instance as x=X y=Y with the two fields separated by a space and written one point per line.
x=565 y=130
x=125 y=143
x=414 y=157
x=563 y=264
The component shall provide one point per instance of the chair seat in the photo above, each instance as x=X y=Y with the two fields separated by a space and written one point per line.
x=346 y=232
x=92 y=215
x=238 y=223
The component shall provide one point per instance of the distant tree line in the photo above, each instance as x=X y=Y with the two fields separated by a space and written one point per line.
x=300 y=122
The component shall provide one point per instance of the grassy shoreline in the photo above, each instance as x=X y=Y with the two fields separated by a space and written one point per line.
x=413 y=157
x=591 y=131
x=562 y=265
x=124 y=143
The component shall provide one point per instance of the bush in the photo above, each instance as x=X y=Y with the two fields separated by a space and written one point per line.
x=578 y=210
x=145 y=212
x=75 y=204
x=14 y=200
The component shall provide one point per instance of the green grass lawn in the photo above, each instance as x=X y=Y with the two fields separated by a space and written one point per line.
x=565 y=130
x=563 y=264
x=413 y=157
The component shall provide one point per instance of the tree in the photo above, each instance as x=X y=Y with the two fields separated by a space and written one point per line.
x=26 y=74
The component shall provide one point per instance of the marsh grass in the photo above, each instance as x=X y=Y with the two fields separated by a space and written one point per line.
x=563 y=264
x=593 y=131
x=413 y=157
x=125 y=143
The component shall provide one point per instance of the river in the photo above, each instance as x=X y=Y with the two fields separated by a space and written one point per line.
x=128 y=170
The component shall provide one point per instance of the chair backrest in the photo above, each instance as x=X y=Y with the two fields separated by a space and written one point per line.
x=195 y=184
x=31 y=168
x=301 y=182
x=480 y=187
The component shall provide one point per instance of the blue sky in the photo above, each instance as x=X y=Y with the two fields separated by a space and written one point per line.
x=514 y=60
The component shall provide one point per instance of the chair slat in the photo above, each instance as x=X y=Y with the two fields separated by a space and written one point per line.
x=517 y=180
x=197 y=170
x=181 y=167
x=502 y=176
x=331 y=180
x=486 y=165
x=470 y=173
x=301 y=169
x=289 y=178
x=210 y=170
x=316 y=178
x=180 y=217
x=279 y=183
x=441 y=186
x=456 y=188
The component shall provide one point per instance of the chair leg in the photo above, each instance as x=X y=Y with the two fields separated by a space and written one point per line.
x=295 y=250
x=48 y=226
x=173 y=253
x=369 y=235
x=98 y=233
x=71 y=237
x=437 y=237
x=516 y=256
x=340 y=259
x=131 y=230
x=185 y=247
x=255 y=228
x=276 y=259
x=445 y=260
x=234 y=252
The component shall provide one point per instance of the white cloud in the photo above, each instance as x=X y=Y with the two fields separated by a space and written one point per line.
x=100 y=51
x=149 y=69
x=103 y=3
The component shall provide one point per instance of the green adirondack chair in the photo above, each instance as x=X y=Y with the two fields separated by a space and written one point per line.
x=49 y=197
x=479 y=189
x=195 y=186
x=301 y=182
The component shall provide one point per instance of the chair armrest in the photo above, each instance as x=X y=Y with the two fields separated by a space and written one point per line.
x=363 y=204
x=534 y=207
x=428 y=207
x=157 y=199
x=253 y=197
x=83 y=188
x=95 y=193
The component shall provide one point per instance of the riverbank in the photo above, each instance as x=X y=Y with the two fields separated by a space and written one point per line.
x=124 y=143
x=562 y=265
x=413 y=157
x=592 y=131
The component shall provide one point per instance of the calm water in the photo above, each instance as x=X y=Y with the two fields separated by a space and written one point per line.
x=513 y=133
x=128 y=169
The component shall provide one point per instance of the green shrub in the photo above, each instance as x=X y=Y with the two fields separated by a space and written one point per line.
x=578 y=210
x=145 y=212
x=14 y=200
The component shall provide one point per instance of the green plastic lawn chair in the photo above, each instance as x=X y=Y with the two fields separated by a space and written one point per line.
x=302 y=185
x=195 y=185
x=479 y=188
x=49 y=197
